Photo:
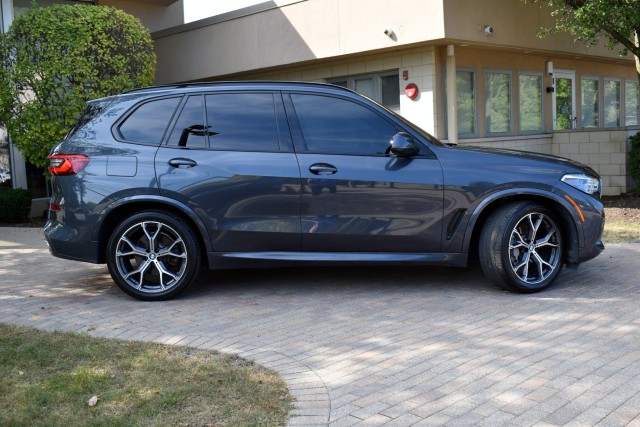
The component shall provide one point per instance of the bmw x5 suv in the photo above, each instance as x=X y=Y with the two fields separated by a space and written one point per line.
x=159 y=182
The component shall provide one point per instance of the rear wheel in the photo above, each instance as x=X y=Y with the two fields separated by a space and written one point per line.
x=521 y=247
x=153 y=256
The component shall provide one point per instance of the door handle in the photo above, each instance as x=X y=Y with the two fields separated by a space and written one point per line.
x=182 y=163
x=322 y=169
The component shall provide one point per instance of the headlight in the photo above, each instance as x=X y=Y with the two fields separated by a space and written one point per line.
x=585 y=183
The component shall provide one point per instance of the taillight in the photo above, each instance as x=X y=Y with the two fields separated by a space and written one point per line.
x=67 y=164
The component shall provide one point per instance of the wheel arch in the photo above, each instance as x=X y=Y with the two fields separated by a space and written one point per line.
x=572 y=232
x=118 y=210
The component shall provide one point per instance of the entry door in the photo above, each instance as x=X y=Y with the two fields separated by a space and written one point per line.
x=564 y=100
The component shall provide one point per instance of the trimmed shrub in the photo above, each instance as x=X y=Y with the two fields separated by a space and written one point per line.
x=15 y=205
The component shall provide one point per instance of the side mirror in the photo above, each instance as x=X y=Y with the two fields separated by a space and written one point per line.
x=402 y=145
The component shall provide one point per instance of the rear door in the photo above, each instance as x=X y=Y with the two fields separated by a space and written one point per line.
x=356 y=197
x=230 y=158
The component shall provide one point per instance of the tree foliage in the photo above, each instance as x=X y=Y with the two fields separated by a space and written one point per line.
x=617 y=22
x=56 y=58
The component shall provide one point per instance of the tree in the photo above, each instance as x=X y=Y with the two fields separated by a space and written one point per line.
x=589 y=21
x=56 y=58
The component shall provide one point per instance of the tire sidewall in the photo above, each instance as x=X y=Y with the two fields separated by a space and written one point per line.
x=505 y=238
x=178 y=226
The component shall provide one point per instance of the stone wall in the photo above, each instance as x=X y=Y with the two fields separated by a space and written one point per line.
x=604 y=150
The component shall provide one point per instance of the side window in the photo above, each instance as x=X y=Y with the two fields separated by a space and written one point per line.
x=190 y=129
x=148 y=123
x=339 y=126
x=242 y=121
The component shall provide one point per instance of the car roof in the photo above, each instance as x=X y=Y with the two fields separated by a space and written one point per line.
x=239 y=85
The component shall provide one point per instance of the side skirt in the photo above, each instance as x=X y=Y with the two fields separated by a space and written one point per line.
x=227 y=260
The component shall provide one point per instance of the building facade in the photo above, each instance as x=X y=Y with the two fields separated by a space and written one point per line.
x=469 y=72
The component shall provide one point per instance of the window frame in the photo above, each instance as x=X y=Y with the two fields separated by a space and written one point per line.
x=620 y=102
x=486 y=72
x=599 y=99
x=377 y=85
x=115 y=129
x=542 y=109
x=474 y=79
x=624 y=102
x=300 y=143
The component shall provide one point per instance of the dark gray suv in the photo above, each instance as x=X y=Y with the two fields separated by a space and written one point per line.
x=159 y=182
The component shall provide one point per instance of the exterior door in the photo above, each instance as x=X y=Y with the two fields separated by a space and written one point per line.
x=355 y=197
x=564 y=100
x=229 y=160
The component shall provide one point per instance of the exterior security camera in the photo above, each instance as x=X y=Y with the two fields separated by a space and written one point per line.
x=488 y=30
x=388 y=32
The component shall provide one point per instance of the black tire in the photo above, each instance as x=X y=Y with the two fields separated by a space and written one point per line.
x=153 y=256
x=522 y=247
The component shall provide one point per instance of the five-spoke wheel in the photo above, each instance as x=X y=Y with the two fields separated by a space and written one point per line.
x=153 y=255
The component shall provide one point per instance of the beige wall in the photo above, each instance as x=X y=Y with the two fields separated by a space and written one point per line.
x=515 y=24
x=294 y=34
x=155 y=15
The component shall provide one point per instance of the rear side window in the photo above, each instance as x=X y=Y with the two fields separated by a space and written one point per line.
x=242 y=121
x=148 y=123
x=190 y=129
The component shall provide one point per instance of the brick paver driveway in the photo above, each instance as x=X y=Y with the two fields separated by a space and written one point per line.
x=392 y=346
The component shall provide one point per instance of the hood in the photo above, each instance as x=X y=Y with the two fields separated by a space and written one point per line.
x=525 y=157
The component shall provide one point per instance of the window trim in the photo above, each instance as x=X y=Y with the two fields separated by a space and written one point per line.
x=542 y=109
x=297 y=133
x=624 y=102
x=377 y=85
x=599 y=94
x=620 y=101
x=486 y=72
x=115 y=128
x=474 y=73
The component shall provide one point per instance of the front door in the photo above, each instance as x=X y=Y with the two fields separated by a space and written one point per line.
x=356 y=197
x=564 y=100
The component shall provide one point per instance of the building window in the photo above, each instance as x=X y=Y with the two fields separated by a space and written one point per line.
x=466 y=102
x=530 y=95
x=498 y=105
x=631 y=103
x=590 y=117
x=383 y=88
x=611 y=103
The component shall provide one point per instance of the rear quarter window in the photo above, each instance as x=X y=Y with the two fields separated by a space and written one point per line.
x=149 y=121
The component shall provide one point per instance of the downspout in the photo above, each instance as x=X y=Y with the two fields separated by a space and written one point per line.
x=452 y=111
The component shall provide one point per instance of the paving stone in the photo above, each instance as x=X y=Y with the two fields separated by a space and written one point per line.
x=395 y=346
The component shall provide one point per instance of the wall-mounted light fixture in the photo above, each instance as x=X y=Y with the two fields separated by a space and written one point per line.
x=549 y=67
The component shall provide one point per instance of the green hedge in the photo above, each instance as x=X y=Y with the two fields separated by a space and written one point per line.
x=15 y=205
x=634 y=160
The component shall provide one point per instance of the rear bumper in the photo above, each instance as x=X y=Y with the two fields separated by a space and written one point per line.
x=65 y=242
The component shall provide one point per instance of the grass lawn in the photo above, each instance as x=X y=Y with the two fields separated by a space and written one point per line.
x=619 y=231
x=47 y=379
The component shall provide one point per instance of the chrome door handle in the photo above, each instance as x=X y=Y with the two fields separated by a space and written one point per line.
x=182 y=163
x=322 y=169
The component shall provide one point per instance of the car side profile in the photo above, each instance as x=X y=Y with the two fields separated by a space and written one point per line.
x=159 y=182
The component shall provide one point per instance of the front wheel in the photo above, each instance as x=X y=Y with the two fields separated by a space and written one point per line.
x=522 y=247
x=153 y=256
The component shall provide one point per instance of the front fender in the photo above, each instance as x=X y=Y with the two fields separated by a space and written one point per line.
x=555 y=200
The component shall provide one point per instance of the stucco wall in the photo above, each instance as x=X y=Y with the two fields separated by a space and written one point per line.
x=418 y=62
